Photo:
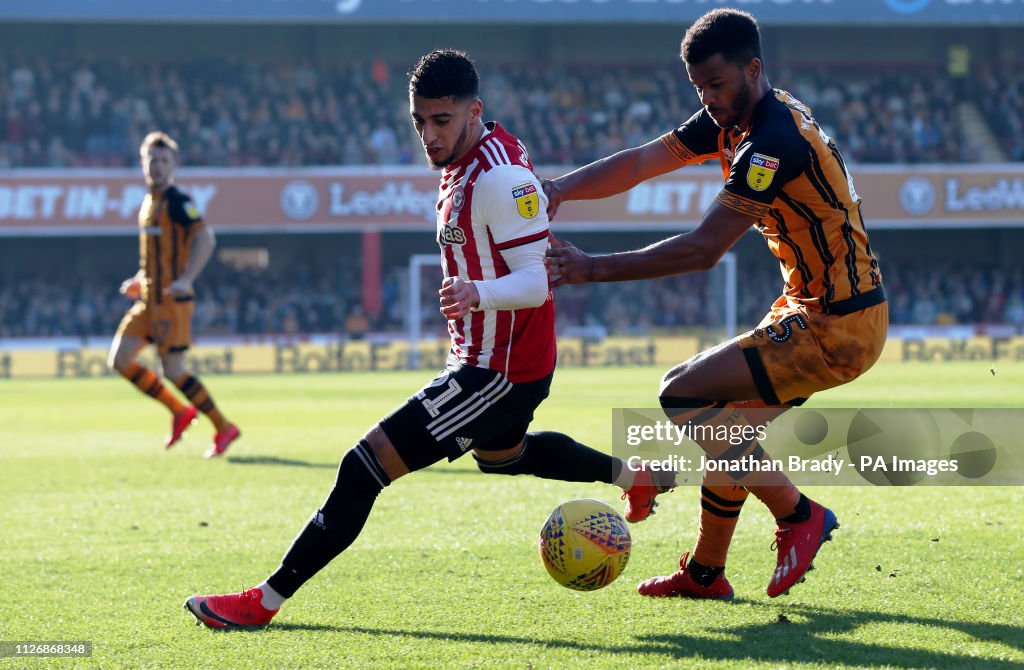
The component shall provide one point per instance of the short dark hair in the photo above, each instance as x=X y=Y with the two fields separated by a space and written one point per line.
x=730 y=32
x=160 y=139
x=444 y=73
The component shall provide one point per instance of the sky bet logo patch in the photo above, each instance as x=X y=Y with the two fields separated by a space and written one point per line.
x=192 y=211
x=761 y=172
x=527 y=200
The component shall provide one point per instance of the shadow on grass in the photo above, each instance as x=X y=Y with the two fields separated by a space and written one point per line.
x=274 y=460
x=297 y=463
x=805 y=637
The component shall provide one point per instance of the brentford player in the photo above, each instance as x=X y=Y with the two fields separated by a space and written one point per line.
x=492 y=228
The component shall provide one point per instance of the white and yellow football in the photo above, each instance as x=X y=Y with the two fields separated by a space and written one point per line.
x=585 y=544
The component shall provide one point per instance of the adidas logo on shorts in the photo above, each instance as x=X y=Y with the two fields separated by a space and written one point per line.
x=463 y=442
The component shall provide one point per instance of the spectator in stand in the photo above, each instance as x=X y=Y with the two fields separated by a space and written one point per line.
x=242 y=302
x=61 y=112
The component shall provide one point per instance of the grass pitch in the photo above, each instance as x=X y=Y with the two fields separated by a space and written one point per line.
x=104 y=534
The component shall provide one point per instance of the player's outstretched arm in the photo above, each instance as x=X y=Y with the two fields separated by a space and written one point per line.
x=695 y=251
x=610 y=176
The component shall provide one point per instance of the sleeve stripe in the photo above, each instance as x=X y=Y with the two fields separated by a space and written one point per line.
x=676 y=147
x=742 y=205
x=520 y=241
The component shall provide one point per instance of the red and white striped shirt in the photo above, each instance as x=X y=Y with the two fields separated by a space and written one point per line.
x=490 y=201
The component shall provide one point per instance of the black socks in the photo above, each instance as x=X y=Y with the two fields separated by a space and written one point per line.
x=551 y=455
x=802 y=513
x=703 y=574
x=336 y=524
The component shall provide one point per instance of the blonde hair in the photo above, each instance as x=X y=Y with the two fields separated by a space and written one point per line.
x=158 y=138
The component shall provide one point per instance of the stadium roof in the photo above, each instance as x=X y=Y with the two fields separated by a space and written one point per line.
x=874 y=12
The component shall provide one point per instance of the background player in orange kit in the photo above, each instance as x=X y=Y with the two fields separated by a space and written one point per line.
x=174 y=247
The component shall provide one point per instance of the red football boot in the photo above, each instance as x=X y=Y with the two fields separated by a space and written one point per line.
x=640 y=497
x=682 y=585
x=222 y=440
x=797 y=545
x=232 y=610
x=179 y=424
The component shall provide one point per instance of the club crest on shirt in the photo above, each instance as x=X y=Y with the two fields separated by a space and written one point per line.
x=527 y=200
x=192 y=211
x=761 y=171
x=451 y=235
x=458 y=199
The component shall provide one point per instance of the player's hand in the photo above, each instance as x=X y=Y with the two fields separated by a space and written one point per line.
x=131 y=288
x=179 y=288
x=566 y=264
x=458 y=297
x=554 y=194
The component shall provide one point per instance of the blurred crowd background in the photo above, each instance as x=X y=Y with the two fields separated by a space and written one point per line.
x=295 y=298
x=82 y=95
x=81 y=113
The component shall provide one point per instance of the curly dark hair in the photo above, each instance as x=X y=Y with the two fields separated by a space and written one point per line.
x=730 y=32
x=444 y=73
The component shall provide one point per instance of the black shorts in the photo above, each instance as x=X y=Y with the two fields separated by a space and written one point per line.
x=461 y=409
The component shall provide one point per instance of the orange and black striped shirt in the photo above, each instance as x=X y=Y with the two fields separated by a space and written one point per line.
x=166 y=226
x=787 y=172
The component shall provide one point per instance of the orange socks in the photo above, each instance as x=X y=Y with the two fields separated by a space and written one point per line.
x=773 y=488
x=200 y=397
x=781 y=499
x=780 y=496
x=149 y=383
x=723 y=494
x=720 y=505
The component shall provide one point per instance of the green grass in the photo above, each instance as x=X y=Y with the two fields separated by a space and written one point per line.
x=104 y=535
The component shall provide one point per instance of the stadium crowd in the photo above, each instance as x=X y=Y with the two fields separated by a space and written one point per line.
x=1001 y=100
x=82 y=113
x=233 y=302
x=68 y=113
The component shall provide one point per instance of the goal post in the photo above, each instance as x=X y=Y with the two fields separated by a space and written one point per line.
x=730 y=300
x=414 y=303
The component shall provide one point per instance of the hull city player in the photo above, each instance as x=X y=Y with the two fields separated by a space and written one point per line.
x=786 y=178
x=174 y=247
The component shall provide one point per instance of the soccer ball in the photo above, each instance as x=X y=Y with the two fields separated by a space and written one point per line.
x=584 y=544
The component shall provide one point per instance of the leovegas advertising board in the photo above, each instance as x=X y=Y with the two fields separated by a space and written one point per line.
x=80 y=202
x=84 y=202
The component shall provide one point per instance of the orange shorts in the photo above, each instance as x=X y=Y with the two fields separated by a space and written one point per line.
x=796 y=351
x=168 y=324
